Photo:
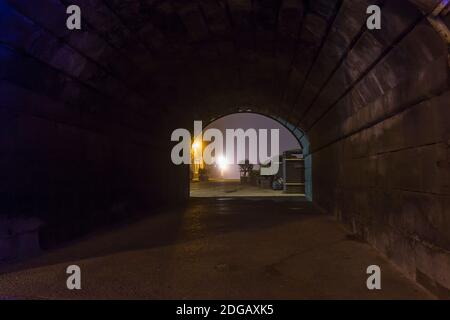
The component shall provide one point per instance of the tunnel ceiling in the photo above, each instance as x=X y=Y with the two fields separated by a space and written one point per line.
x=291 y=59
x=241 y=52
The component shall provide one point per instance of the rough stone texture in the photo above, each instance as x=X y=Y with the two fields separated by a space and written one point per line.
x=76 y=141
x=86 y=116
x=379 y=157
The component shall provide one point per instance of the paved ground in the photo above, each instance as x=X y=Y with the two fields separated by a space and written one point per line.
x=232 y=188
x=229 y=248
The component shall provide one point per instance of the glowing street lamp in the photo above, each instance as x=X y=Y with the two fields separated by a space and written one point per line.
x=197 y=151
x=196 y=146
x=196 y=156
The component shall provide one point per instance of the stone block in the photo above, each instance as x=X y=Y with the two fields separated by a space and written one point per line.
x=432 y=265
x=19 y=237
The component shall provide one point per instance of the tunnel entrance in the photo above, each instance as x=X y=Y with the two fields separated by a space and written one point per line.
x=239 y=168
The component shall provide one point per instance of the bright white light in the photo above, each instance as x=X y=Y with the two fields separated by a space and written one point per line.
x=222 y=163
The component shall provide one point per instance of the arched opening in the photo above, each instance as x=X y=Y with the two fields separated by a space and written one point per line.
x=233 y=177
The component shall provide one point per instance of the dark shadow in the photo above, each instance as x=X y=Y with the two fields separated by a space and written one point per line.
x=197 y=219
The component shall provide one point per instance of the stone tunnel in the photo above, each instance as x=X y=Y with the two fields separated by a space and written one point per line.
x=86 y=115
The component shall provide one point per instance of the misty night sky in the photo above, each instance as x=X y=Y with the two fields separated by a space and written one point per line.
x=250 y=120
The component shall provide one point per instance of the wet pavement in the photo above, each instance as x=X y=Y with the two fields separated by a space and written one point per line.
x=225 y=248
x=233 y=188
